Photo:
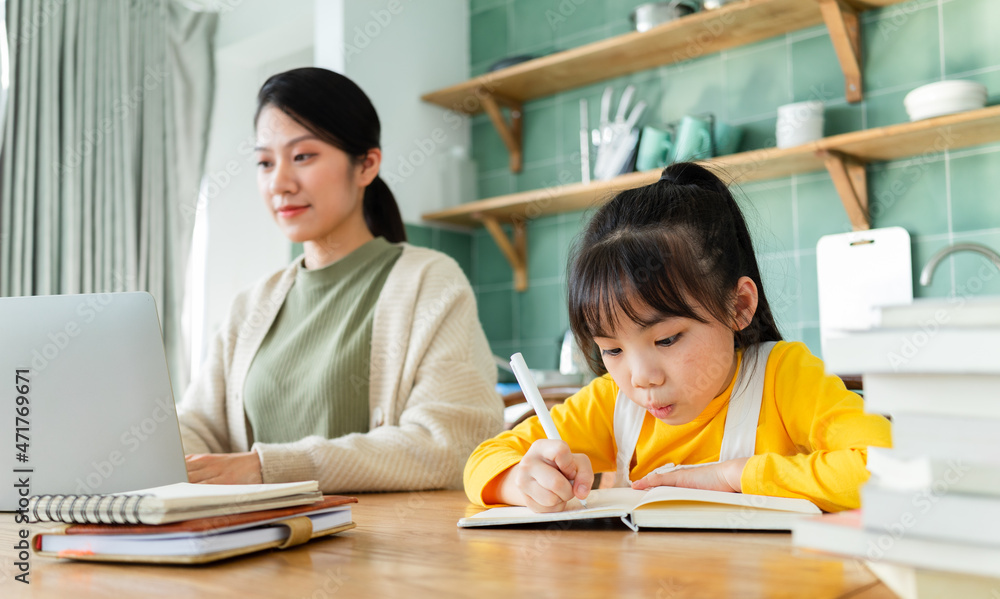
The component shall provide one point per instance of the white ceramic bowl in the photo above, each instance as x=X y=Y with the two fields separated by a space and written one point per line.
x=944 y=97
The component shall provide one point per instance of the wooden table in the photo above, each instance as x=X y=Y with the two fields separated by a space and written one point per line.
x=407 y=545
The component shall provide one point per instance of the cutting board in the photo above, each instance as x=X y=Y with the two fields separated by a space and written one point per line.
x=858 y=272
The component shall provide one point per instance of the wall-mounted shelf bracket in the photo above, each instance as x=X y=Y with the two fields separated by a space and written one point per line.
x=516 y=250
x=842 y=23
x=851 y=181
x=510 y=132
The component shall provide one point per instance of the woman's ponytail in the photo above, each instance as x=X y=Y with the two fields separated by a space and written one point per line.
x=382 y=213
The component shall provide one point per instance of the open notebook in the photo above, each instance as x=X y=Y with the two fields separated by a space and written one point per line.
x=665 y=507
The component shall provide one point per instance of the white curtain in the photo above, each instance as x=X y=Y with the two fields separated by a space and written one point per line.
x=104 y=142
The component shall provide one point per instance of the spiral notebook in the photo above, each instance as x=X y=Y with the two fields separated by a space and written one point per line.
x=171 y=503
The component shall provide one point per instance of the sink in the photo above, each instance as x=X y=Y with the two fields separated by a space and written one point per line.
x=953 y=336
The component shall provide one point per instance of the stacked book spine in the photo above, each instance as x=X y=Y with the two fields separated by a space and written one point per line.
x=929 y=524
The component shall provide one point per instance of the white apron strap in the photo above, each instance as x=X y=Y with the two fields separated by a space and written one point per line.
x=628 y=424
x=739 y=438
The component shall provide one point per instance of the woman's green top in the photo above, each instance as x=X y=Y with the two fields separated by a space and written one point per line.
x=310 y=375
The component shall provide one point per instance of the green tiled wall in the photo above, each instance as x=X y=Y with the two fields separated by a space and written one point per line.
x=458 y=245
x=939 y=198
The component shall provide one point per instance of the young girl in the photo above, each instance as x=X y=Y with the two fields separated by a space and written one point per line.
x=700 y=391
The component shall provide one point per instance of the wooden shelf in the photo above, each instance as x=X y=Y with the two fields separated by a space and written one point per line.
x=844 y=156
x=690 y=37
x=696 y=35
x=894 y=142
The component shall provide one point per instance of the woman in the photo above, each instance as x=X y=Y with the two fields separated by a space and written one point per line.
x=362 y=364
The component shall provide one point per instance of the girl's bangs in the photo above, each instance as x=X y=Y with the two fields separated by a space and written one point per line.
x=643 y=276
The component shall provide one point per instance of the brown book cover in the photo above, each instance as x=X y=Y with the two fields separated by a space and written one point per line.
x=214 y=523
x=295 y=519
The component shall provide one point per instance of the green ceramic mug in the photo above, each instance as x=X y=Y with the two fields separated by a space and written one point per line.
x=694 y=138
x=655 y=149
x=727 y=138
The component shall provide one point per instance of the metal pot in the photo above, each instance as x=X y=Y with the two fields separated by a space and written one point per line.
x=649 y=15
x=714 y=4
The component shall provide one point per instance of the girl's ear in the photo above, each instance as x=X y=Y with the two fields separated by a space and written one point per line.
x=746 y=302
x=369 y=167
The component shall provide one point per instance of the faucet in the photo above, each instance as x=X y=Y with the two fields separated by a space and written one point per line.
x=928 y=271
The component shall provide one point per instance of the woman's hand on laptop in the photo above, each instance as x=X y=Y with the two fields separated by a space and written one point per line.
x=224 y=468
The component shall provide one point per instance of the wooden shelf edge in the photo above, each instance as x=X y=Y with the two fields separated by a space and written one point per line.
x=510 y=132
x=845 y=32
x=893 y=142
x=700 y=32
x=851 y=181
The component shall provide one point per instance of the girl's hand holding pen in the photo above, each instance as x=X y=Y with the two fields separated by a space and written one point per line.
x=547 y=478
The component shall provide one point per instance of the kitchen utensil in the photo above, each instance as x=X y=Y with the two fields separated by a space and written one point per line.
x=584 y=142
x=605 y=122
x=857 y=272
x=799 y=123
x=944 y=97
x=655 y=149
x=615 y=156
x=694 y=138
x=623 y=104
x=649 y=15
x=714 y=4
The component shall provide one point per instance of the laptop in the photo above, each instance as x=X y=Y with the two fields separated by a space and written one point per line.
x=85 y=399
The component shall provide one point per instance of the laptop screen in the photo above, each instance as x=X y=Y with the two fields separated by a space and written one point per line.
x=86 y=396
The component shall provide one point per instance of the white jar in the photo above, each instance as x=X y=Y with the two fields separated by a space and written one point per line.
x=456 y=178
x=799 y=123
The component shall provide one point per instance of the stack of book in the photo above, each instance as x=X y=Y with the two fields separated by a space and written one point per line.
x=185 y=523
x=929 y=524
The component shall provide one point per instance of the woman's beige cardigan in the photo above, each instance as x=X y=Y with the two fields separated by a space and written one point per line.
x=431 y=386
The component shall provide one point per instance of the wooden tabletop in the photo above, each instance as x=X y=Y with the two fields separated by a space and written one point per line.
x=407 y=544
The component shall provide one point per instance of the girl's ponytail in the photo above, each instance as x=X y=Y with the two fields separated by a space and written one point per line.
x=688 y=173
x=382 y=213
